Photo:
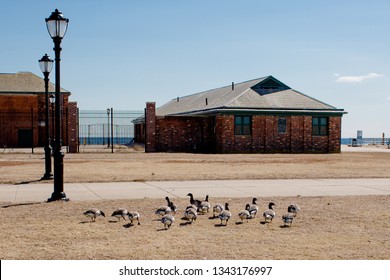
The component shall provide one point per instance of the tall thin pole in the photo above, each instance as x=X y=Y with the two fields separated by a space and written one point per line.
x=108 y=127
x=112 y=131
x=52 y=125
x=32 y=130
x=48 y=174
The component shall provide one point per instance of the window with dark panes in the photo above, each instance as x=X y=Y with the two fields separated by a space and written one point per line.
x=320 y=126
x=242 y=125
x=282 y=125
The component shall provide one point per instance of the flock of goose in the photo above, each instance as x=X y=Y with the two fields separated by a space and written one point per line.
x=167 y=212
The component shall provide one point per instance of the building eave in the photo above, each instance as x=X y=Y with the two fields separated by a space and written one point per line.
x=256 y=111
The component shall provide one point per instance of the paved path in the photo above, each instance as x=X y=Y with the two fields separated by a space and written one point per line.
x=214 y=188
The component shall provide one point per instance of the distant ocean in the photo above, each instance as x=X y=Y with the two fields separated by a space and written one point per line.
x=129 y=141
x=365 y=141
x=103 y=141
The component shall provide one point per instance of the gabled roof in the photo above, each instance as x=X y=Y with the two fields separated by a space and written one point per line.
x=265 y=94
x=24 y=82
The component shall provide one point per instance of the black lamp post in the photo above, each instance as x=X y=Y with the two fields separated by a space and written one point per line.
x=57 y=25
x=46 y=64
x=52 y=99
x=108 y=127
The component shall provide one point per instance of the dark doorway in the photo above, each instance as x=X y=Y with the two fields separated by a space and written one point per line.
x=25 y=138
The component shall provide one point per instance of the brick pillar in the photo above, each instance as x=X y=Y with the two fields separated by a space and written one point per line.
x=73 y=136
x=150 y=124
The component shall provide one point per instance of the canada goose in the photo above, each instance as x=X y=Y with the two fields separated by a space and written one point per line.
x=205 y=205
x=133 y=215
x=293 y=208
x=225 y=214
x=171 y=204
x=192 y=206
x=93 y=213
x=196 y=202
x=269 y=214
x=167 y=220
x=119 y=213
x=217 y=209
x=244 y=214
x=190 y=214
x=163 y=210
x=253 y=209
x=288 y=218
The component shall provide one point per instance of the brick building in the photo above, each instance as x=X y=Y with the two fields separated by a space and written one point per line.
x=22 y=112
x=258 y=116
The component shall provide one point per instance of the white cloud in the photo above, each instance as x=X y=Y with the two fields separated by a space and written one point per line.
x=357 y=79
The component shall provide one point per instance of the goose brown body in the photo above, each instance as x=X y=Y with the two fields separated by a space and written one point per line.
x=120 y=213
x=164 y=210
x=288 y=219
x=269 y=214
x=171 y=205
x=254 y=208
x=294 y=209
x=190 y=214
x=244 y=214
x=205 y=205
x=94 y=213
x=134 y=216
x=217 y=209
x=195 y=202
x=225 y=214
x=168 y=220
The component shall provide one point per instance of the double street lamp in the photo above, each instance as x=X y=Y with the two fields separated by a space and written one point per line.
x=46 y=64
x=57 y=25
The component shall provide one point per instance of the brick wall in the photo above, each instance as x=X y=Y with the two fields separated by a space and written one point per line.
x=265 y=137
x=150 y=127
x=72 y=119
x=15 y=115
x=185 y=134
x=224 y=133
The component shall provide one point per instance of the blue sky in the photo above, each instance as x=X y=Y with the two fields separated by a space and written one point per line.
x=123 y=53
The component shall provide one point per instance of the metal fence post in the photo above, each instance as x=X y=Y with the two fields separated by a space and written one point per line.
x=112 y=131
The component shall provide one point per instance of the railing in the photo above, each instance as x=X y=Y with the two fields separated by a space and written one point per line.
x=365 y=141
x=103 y=128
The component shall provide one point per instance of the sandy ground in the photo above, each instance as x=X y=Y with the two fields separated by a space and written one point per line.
x=126 y=165
x=326 y=227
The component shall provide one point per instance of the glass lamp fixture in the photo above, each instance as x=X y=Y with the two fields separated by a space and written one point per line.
x=46 y=64
x=57 y=24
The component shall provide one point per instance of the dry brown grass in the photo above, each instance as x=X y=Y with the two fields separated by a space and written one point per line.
x=326 y=228
x=138 y=166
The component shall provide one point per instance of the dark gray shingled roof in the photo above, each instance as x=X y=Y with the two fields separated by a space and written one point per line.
x=265 y=94
x=24 y=82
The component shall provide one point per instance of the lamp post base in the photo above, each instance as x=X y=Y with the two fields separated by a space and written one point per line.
x=47 y=176
x=58 y=196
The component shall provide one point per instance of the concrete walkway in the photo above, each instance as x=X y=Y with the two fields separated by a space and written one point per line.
x=214 y=188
